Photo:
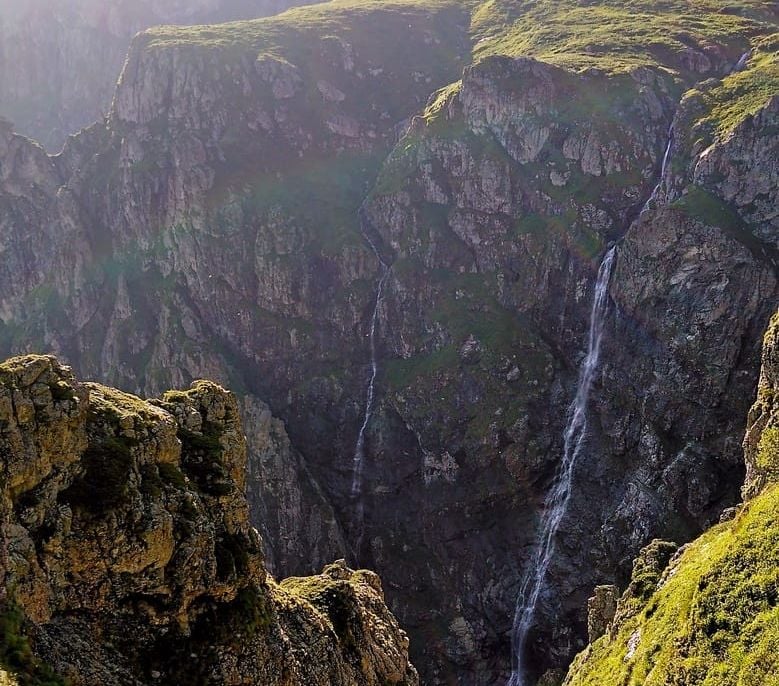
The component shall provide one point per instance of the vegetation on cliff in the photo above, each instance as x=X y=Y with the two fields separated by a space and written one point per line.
x=713 y=619
x=711 y=616
x=215 y=224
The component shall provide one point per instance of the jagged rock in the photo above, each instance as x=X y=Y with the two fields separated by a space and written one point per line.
x=648 y=570
x=127 y=548
x=601 y=609
x=59 y=63
x=300 y=531
x=761 y=443
x=470 y=352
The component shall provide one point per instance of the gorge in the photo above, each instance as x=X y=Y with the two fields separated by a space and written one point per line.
x=388 y=228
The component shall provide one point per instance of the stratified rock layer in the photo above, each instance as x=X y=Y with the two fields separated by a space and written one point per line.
x=128 y=556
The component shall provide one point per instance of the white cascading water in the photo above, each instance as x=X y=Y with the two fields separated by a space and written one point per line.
x=358 y=462
x=666 y=157
x=557 y=500
x=575 y=432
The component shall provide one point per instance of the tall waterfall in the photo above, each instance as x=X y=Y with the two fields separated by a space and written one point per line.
x=358 y=461
x=666 y=157
x=558 y=497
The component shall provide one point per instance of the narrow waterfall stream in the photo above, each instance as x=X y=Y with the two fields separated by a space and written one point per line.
x=666 y=157
x=358 y=461
x=557 y=499
x=742 y=62
x=556 y=502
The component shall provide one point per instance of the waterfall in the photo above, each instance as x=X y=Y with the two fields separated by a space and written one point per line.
x=557 y=500
x=742 y=62
x=666 y=157
x=358 y=461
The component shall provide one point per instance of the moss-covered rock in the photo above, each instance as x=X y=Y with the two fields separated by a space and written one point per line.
x=761 y=444
x=128 y=557
x=713 y=620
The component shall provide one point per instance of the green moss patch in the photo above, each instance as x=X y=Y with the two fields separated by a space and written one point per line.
x=614 y=35
x=714 y=621
x=335 y=598
x=742 y=94
x=16 y=654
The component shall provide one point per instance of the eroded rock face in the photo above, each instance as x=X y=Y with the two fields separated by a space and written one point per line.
x=495 y=209
x=601 y=608
x=128 y=550
x=675 y=594
x=300 y=530
x=761 y=443
x=59 y=63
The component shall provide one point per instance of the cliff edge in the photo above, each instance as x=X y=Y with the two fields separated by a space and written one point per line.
x=128 y=557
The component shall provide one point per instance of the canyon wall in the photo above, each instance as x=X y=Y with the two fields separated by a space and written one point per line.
x=59 y=61
x=128 y=556
x=222 y=221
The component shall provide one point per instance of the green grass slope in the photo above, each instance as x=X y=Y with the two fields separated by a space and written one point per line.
x=616 y=35
x=741 y=94
x=713 y=621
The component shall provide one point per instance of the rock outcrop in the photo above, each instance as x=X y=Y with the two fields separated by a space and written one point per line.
x=59 y=62
x=128 y=556
x=761 y=443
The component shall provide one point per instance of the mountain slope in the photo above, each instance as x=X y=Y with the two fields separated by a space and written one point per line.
x=712 y=616
x=59 y=61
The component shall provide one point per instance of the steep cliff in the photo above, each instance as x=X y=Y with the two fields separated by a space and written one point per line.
x=128 y=557
x=59 y=61
x=256 y=182
x=495 y=209
x=709 y=615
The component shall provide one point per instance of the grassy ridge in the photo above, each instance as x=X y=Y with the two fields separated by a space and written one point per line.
x=616 y=35
x=743 y=93
x=369 y=24
x=715 y=620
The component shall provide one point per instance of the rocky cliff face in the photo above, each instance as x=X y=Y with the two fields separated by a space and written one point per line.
x=495 y=209
x=59 y=61
x=223 y=221
x=760 y=443
x=128 y=557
